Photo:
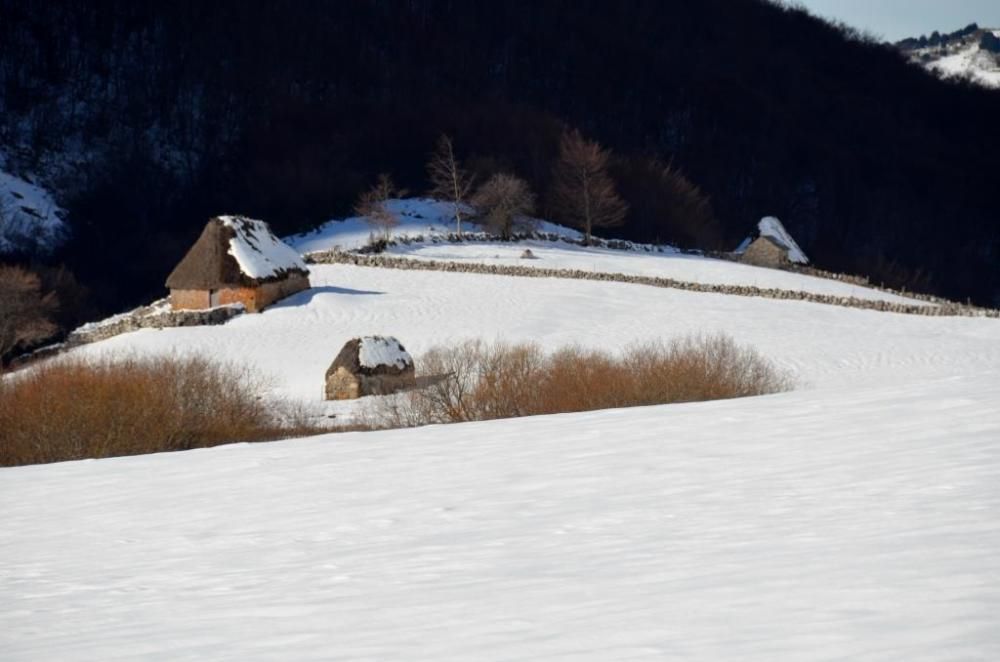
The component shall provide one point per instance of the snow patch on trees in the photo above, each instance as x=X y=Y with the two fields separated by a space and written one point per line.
x=30 y=219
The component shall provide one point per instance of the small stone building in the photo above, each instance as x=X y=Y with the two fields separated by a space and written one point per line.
x=236 y=260
x=771 y=246
x=766 y=252
x=370 y=365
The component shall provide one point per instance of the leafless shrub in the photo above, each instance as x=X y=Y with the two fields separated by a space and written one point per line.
x=477 y=381
x=25 y=312
x=504 y=201
x=371 y=205
x=74 y=409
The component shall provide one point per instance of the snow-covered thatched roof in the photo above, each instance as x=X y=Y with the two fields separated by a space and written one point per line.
x=373 y=355
x=772 y=229
x=235 y=250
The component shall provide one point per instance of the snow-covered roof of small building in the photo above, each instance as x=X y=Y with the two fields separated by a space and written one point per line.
x=260 y=254
x=235 y=250
x=373 y=355
x=771 y=227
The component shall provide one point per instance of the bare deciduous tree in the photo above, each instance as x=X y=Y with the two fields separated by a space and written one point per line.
x=504 y=200
x=25 y=311
x=449 y=181
x=371 y=205
x=583 y=193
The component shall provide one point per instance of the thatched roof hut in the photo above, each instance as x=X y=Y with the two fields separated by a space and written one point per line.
x=771 y=245
x=370 y=365
x=236 y=260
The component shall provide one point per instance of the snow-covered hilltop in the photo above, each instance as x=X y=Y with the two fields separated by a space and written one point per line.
x=972 y=53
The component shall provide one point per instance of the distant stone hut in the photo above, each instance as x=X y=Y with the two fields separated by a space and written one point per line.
x=236 y=260
x=766 y=252
x=770 y=246
x=370 y=365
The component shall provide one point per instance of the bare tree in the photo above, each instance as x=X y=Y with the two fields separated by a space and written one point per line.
x=24 y=311
x=504 y=200
x=583 y=193
x=371 y=205
x=449 y=181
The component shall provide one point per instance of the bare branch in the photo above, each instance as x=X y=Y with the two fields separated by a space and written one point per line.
x=449 y=181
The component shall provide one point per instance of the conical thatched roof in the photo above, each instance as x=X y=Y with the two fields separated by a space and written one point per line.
x=235 y=251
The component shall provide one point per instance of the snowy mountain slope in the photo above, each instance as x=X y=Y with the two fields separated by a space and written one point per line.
x=960 y=54
x=30 y=219
x=430 y=219
x=857 y=523
x=854 y=518
x=295 y=341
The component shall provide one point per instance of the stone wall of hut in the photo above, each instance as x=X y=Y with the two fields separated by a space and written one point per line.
x=763 y=253
x=254 y=298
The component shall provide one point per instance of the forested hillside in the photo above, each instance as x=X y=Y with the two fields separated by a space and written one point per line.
x=146 y=118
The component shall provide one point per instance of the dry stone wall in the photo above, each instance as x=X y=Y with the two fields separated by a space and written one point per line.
x=629 y=246
x=144 y=319
x=941 y=308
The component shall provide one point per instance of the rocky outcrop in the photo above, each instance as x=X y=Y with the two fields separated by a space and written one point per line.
x=940 y=307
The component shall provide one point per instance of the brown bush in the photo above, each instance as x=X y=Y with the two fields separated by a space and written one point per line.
x=74 y=409
x=476 y=381
x=25 y=310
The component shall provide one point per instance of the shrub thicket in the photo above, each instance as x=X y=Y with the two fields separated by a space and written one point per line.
x=478 y=381
x=74 y=409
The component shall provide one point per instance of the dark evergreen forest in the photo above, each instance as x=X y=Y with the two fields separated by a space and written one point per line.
x=149 y=117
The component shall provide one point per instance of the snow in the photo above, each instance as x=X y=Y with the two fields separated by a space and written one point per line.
x=417 y=217
x=964 y=60
x=859 y=523
x=770 y=226
x=29 y=216
x=970 y=63
x=853 y=518
x=259 y=253
x=429 y=219
x=295 y=340
x=670 y=264
x=375 y=351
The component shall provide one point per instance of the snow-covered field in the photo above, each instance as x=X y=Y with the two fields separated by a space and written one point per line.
x=427 y=219
x=416 y=217
x=854 y=518
x=857 y=523
x=295 y=341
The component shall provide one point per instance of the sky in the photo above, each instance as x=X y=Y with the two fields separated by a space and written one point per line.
x=896 y=19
